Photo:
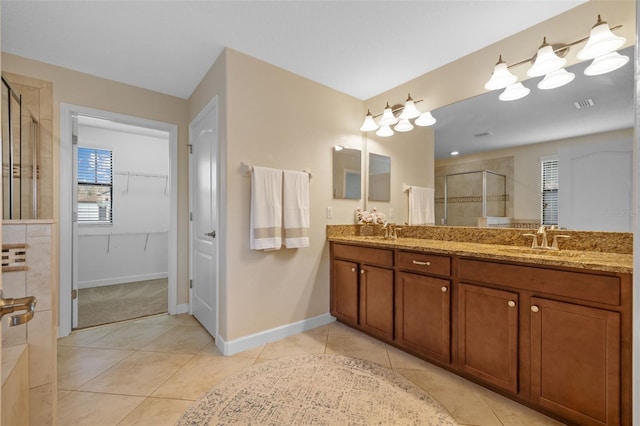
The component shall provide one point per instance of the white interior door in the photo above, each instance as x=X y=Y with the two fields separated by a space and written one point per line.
x=203 y=135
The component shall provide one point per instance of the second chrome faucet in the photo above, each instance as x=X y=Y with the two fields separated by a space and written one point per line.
x=544 y=244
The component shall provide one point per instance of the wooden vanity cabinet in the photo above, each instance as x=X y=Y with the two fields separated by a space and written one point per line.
x=575 y=361
x=488 y=335
x=362 y=288
x=557 y=339
x=423 y=305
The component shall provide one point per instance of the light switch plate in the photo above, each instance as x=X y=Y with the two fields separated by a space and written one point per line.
x=329 y=212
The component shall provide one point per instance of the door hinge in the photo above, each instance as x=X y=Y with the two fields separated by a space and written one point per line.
x=190 y=283
x=190 y=148
x=74 y=294
x=74 y=139
x=191 y=216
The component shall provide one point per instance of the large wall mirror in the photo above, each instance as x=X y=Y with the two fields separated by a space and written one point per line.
x=347 y=174
x=587 y=125
x=379 y=177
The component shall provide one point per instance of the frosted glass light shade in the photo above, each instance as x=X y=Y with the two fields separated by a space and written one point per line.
x=409 y=111
x=425 y=119
x=388 y=118
x=606 y=63
x=514 y=92
x=501 y=77
x=556 y=79
x=403 y=125
x=384 y=131
x=369 y=124
x=601 y=41
x=546 y=62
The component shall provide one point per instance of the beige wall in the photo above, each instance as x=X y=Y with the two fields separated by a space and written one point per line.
x=93 y=92
x=526 y=166
x=275 y=119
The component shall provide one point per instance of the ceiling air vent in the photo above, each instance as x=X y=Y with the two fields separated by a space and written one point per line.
x=584 y=104
x=483 y=134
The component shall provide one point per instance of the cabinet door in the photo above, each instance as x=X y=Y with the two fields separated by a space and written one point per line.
x=423 y=315
x=344 y=291
x=488 y=335
x=376 y=301
x=575 y=361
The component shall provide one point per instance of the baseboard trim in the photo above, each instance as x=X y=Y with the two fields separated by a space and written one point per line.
x=254 y=340
x=182 y=308
x=122 y=280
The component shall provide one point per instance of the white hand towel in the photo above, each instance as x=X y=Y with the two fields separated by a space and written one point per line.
x=296 y=209
x=266 y=209
x=421 y=209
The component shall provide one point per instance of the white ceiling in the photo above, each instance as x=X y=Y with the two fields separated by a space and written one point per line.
x=361 y=48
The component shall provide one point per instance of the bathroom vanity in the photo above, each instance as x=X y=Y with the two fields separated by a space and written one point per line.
x=550 y=329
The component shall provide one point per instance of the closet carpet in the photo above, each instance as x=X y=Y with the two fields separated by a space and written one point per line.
x=119 y=302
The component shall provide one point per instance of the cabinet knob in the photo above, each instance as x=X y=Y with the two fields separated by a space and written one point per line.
x=511 y=303
x=353 y=269
x=362 y=271
x=443 y=289
x=534 y=308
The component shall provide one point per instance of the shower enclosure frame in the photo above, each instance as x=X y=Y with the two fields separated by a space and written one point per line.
x=484 y=190
x=34 y=133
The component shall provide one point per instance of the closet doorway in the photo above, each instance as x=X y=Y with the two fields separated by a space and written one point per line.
x=122 y=203
x=121 y=224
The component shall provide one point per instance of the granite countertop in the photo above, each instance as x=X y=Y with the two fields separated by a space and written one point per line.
x=588 y=260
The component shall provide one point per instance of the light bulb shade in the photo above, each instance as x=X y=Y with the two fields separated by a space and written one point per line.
x=384 y=131
x=601 y=41
x=369 y=124
x=388 y=118
x=546 y=62
x=425 y=119
x=606 y=63
x=556 y=79
x=501 y=77
x=403 y=125
x=513 y=92
x=409 y=111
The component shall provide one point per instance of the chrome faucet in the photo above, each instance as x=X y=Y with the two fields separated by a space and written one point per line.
x=543 y=231
x=391 y=232
x=544 y=245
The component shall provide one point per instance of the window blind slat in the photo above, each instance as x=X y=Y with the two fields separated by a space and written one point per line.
x=550 y=204
x=95 y=185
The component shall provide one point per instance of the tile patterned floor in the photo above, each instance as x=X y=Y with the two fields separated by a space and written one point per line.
x=149 y=371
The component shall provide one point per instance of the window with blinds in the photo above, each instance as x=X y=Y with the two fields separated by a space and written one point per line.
x=550 y=191
x=95 y=185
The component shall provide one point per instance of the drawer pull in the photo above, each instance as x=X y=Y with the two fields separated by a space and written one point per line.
x=511 y=303
x=534 y=308
x=418 y=262
x=443 y=289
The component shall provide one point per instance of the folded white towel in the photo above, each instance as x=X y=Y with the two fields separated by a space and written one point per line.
x=421 y=209
x=266 y=209
x=296 y=209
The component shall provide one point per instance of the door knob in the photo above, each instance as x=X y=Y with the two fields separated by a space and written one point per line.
x=211 y=234
x=8 y=305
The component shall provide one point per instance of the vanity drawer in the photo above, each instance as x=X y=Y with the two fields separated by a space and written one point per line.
x=360 y=254
x=424 y=262
x=576 y=285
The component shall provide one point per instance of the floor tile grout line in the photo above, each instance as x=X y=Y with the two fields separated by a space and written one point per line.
x=174 y=373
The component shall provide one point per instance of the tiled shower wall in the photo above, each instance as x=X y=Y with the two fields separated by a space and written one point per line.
x=41 y=332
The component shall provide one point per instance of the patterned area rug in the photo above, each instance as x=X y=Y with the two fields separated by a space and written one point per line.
x=317 y=390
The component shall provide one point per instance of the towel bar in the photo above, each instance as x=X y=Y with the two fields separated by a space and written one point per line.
x=245 y=169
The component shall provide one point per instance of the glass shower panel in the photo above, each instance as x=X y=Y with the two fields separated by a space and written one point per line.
x=496 y=194
x=463 y=199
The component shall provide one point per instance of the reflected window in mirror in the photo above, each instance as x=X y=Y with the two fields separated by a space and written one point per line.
x=379 y=177
x=347 y=175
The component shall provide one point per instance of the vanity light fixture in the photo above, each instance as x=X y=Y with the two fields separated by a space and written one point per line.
x=549 y=61
x=397 y=116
